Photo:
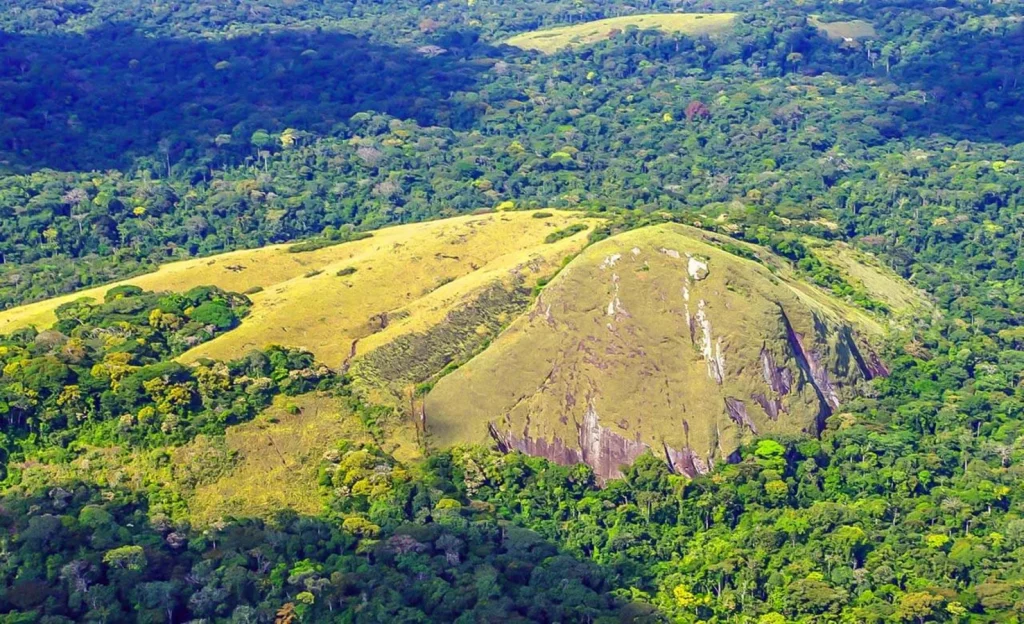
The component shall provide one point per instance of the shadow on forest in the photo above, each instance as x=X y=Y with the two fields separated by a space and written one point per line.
x=972 y=81
x=99 y=100
x=487 y=571
x=104 y=99
x=975 y=85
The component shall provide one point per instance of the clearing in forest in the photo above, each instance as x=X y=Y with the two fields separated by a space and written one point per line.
x=866 y=271
x=555 y=39
x=258 y=468
x=849 y=29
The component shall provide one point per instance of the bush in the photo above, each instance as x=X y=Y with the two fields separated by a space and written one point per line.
x=320 y=243
x=119 y=292
x=216 y=314
x=565 y=232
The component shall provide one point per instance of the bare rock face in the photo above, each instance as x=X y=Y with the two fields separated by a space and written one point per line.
x=656 y=341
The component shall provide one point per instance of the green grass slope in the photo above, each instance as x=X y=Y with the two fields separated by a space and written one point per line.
x=657 y=339
x=555 y=39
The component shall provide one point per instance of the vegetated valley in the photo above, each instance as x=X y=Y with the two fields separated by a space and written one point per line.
x=511 y=311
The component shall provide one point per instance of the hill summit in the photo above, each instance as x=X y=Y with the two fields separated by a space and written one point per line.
x=658 y=339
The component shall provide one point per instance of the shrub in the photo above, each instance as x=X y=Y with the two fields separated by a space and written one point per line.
x=565 y=232
x=214 y=313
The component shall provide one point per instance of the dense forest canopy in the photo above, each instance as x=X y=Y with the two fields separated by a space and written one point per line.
x=135 y=133
x=173 y=144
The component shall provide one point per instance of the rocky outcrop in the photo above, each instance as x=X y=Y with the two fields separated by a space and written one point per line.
x=656 y=341
x=772 y=407
x=778 y=378
x=810 y=363
x=686 y=461
x=737 y=411
x=604 y=450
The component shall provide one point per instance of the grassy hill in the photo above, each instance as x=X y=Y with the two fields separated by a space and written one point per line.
x=659 y=339
x=555 y=39
x=625 y=345
x=274 y=458
x=868 y=272
x=331 y=301
x=256 y=469
x=395 y=308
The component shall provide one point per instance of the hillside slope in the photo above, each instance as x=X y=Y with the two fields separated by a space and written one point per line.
x=658 y=339
x=332 y=301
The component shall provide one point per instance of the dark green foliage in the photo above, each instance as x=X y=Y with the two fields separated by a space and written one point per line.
x=103 y=374
x=320 y=243
x=741 y=251
x=214 y=313
x=431 y=562
x=564 y=233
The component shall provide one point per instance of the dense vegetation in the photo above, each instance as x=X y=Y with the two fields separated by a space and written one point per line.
x=104 y=375
x=132 y=133
x=775 y=119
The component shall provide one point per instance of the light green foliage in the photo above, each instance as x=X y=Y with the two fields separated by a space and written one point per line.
x=126 y=558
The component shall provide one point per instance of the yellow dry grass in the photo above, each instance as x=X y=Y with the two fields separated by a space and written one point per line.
x=418 y=269
x=258 y=468
x=555 y=39
x=440 y=263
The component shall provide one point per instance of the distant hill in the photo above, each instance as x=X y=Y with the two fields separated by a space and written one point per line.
x=554 y=39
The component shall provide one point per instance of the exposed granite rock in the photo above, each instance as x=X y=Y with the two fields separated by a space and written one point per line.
x=686 y=462
x=772 y=407
x=738 y=413
x=603 y=450
x=811 y=363
x=876 y=366
x=778 y=378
